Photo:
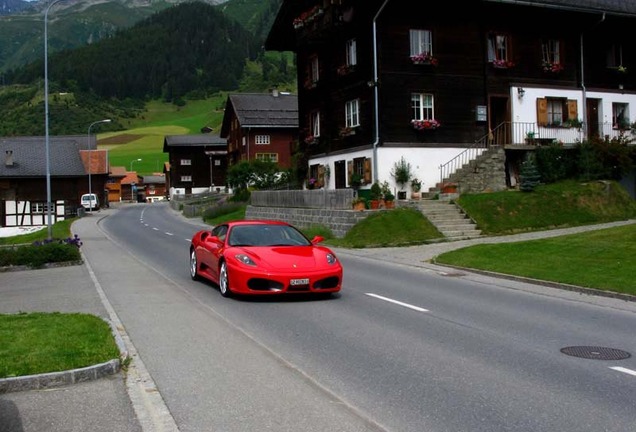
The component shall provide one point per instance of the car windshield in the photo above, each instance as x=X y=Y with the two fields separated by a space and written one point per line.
x=266 y=235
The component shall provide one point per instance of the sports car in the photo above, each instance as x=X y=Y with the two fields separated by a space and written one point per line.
x=263 y=257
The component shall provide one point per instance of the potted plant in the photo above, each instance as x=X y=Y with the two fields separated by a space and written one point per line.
x=401 y=172
x=416 y=187
x=375 y=195
x=359 y=203
x=355 y=181
x=389 y=200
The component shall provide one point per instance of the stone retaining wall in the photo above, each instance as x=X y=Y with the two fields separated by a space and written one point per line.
x=338 y=221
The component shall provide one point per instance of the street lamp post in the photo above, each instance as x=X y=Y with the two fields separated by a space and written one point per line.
x=90 y=160
x=49 y=223
x=132 y=185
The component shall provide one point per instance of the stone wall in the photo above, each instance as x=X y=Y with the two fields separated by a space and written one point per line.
x=487 y=173
x=338 y=221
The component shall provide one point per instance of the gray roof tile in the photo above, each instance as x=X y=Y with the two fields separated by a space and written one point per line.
x=29 y=156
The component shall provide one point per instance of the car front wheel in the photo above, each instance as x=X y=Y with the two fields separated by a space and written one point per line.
x=193 y=265
x=224 y=281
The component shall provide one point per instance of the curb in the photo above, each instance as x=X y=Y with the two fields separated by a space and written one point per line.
x=73 y=376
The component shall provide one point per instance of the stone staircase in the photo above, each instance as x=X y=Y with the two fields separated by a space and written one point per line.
x=449 y=219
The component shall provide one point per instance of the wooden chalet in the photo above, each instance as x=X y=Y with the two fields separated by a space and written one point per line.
x=445 y=83
x=154 y=187
x=196 y=163
x=261 y=126
x=23 y=178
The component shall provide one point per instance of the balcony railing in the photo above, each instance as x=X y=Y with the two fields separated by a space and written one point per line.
x=517 y=133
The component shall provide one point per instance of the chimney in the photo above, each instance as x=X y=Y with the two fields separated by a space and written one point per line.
x=275 y=92
x=8 y=159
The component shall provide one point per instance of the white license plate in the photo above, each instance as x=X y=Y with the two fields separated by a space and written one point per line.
x=299 y=282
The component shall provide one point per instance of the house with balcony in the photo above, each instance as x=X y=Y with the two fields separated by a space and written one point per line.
x=261 y=126
x=451 y=83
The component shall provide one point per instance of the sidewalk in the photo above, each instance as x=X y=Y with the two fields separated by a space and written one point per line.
x=100 y=405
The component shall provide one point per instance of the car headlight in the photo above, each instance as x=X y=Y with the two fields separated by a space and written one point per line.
x=331 y=258
x=245 y=259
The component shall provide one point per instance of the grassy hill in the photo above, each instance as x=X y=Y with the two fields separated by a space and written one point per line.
x=143 y=138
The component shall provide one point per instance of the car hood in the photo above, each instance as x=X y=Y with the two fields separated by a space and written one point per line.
x=287 y=257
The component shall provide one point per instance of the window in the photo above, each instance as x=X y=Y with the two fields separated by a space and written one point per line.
x=557 y=112
x=352 y=113
x=262 y=139
x=217 y=162
x=186 y=162
x=422 y=104
x=267 y=157
x=38 y=207
x=421 y=42
x=615 y=56
x=186 y=178
x=314 y=123
x=351 y=53
x=358 y=166
x=620 y=116
x=551 y=52
x=498 y=50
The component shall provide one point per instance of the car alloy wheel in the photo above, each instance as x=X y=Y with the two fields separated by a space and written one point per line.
x=193 y=265
x=224 y=282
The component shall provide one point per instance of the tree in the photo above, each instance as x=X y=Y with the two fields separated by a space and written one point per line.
x=529 y=175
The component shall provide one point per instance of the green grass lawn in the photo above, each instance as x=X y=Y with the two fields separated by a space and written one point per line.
x=50 y=342
x=601 y=259
x=59 y=230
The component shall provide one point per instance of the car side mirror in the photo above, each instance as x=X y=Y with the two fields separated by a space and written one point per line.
x=317 y=239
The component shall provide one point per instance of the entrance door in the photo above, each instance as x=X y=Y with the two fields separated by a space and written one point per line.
x=340 y=168
x=498 y=120
x=592 y=120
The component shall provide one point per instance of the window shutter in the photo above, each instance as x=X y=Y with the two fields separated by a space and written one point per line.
x=367 y=170
x=321 y=174
x=349 y=170
x=542 y=111
x=573 y=112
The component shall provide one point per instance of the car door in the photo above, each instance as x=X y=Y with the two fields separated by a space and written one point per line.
x=213 y=246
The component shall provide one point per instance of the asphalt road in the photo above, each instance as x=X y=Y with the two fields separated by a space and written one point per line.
x=402 y=348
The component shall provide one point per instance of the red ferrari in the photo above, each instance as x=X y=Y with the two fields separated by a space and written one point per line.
x=263 y=257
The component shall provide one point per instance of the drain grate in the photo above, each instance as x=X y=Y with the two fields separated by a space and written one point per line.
x=596 y=353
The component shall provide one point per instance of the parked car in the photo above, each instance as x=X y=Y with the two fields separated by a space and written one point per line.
x=260 y=257
x=90 y=201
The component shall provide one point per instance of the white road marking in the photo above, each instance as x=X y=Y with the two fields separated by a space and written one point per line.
x=155 y=228
x=406 y=305
x=145 y=224
x=170 y=234
x=624 y=370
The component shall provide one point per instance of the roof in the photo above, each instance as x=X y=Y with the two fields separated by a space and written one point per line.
x=282 y=36
x=99 y=161
x=200 y=140
x=118 y=171
x=29 y=156
x=131 y=177
x=262 y=110
x=154 y=179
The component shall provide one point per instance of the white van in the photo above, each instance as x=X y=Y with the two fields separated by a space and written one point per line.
x=90 y=200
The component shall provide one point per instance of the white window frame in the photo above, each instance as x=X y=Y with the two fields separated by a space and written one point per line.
x=186 y=178
x=551 y=49
x=497 y=47
x=423 y=106
x=351 y=53
x=185 y=162
x=314 y=123
x=352 y=113
x=262 y=139
x=421 y=42
x=267 y=157
x=620 y=115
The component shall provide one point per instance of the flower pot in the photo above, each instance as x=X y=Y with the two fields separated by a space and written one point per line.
x=389 y=204
x=449 y=188
x=359 y=206
x=416 y=195
x=375 y=204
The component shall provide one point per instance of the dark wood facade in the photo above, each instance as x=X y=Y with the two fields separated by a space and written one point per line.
x=196 y=163
x=593 y=50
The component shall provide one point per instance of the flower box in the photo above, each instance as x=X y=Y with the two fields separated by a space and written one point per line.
x=424 y=59
x=552 y=67
x=502 y=64
x=347 y=131
x=425 y=124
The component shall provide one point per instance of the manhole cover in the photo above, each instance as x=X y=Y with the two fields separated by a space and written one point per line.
x=596 y=353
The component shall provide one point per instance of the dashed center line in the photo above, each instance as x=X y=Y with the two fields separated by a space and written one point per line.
x=155 y=228
x=406 y=305
x=624 y=370
x=169 y=233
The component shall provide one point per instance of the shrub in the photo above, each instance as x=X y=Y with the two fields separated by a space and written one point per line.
x=41 y=253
